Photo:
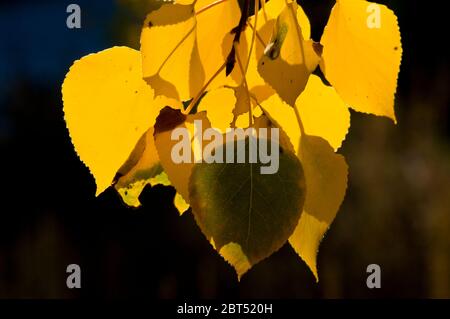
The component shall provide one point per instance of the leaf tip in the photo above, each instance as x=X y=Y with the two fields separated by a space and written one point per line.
x=234 y=255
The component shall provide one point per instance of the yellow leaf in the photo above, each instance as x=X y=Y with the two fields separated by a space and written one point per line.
x=107 y=108
x=272 y=9
x=168 y=120
x=361 y=59
x=284 y=117
x=214 y=25
x=323 y=112
x=219 y=105
x=288 y=60
x=182 y=49
x=267 y=17
x=326 y=184
x=169 y=52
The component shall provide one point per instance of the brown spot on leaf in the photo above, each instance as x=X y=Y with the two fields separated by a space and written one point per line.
x=168 y=119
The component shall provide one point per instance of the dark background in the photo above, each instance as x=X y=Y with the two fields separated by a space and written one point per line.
x=396 y=212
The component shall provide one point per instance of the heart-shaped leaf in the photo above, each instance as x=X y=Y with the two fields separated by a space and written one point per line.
x=245 y=214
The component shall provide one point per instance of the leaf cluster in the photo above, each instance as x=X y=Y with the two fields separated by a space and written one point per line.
x=239 y=66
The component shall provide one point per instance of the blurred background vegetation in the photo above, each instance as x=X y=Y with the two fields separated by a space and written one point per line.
x=396 y=213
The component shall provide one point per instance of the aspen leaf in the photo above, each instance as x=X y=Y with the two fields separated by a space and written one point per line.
x=181 y=49
x=265 y=23
x=323 y=112
x=288 y=59
x=361 y=61
x=107 y=108
x=168 y=120
x=215 y=39
x=123 y=110
x=326 y=182
x=284 y=116
x=272 y=9
x=246 y=214
x=169 y=48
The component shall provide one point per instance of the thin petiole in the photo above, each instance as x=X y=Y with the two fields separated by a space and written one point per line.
x=244 y=79
x=299 y=120
x=258 y=36
x=253 y=36
x=202 y=90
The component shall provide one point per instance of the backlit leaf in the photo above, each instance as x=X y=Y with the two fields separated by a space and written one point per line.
x=214 y=35
x=246 y=214
x=323 y=112
x=267 y=18
x=284 y=116
x=168 y=120
x=288 y=59
x=107 y=108
x=182 y=49
x=326 y=184
x=362 y=60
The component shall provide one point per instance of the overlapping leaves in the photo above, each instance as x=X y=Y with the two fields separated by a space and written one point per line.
x=236 y=69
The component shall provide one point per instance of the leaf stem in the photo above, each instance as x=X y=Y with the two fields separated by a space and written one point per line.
x=258 y=36
x=300 y=42
x=202 y=90
x=297 y=27
x=253 y=36
x=263 y=4
x=299 y=120
x=244 y=79
x=243 y=21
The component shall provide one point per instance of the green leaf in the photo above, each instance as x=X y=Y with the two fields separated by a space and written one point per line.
x=247 y=215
